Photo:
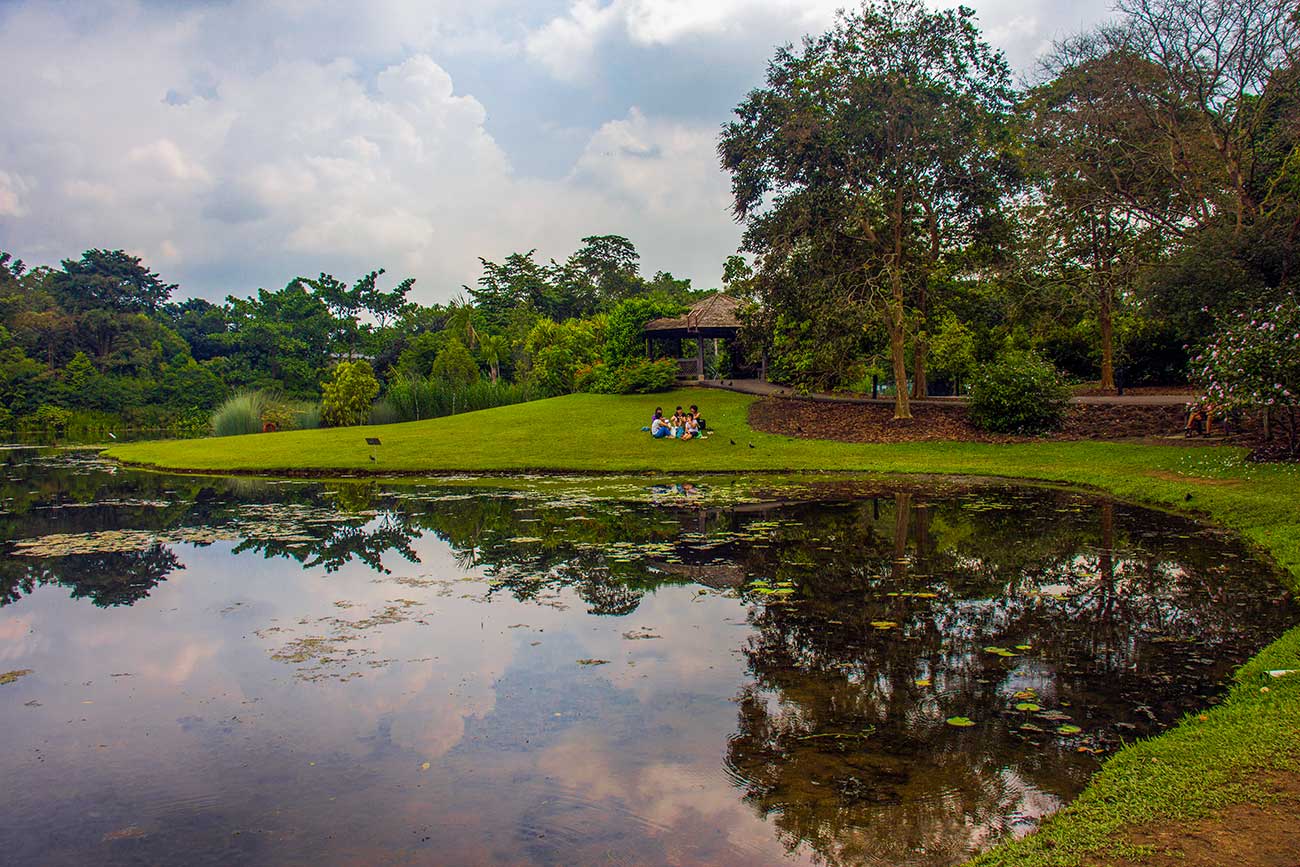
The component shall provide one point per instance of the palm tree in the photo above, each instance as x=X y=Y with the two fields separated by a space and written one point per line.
x=461 y=318
x=494 y=347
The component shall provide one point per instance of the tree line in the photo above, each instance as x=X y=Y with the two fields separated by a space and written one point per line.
x=911 y=212
x=100 y=341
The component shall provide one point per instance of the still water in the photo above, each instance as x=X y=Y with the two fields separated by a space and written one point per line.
x=229 y=671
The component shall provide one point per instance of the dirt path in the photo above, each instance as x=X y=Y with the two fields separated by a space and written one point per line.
x=1265 y=834
x=772 y=389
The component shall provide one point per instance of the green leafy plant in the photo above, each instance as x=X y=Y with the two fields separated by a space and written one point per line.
x=455 y=365
x=349 y=393
x=1020 y=393
x=636 y=377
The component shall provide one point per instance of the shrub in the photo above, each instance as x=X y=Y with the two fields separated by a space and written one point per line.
x=349 y=393
x=48 y=418
x=1254 y=361
x=1019 y=393
x=636 y=377
x=240 y=414
x=455 y=365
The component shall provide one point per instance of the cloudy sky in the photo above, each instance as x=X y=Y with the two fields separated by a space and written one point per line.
x=236 y=144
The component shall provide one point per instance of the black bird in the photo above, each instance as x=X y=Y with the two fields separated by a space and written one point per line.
x=372 y=457
x=1187 y=497
x=751 y=445
x=733 y=442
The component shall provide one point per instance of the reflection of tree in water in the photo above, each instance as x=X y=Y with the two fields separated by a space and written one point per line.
x=841 y=739
x=334 y=545
x=106 y=579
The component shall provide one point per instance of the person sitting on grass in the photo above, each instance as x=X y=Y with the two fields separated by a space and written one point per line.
x=678 y=425
x=658 y=427
x=692 y=428
x=699 y=419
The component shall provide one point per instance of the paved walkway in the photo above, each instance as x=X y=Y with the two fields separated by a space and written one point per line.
x=772 y=389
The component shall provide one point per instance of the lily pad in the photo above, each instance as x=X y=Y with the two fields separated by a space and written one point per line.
x=593 y=662
x=883 y=624
x=960 y=722
x=921 y=682
x=1028 y=707
x=11 y=676
x=1069 y=730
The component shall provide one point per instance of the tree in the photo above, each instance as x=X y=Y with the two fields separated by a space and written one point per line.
x=610 y=264
x=462 y=321
x=109 y=280
x=348 y=394
x=873 y=151
x=494 y=348
x=1102 y=189
x=455 y=365
x=1218 y=59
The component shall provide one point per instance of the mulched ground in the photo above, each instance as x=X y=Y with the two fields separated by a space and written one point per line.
x=874 y=423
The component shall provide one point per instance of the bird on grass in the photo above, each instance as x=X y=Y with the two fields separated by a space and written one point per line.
x=733 y=442
x=751 y=445
x=372 y=457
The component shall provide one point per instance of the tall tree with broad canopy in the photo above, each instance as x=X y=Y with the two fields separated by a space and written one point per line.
x=1103 y=189
x=111 y=280
x=874 y=150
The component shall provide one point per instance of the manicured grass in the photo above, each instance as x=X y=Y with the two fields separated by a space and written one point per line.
x=1206 y=762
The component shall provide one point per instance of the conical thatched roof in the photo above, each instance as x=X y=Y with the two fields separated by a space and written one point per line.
x=715 y=311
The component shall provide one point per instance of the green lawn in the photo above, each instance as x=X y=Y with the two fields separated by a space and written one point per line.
x=1206 y=762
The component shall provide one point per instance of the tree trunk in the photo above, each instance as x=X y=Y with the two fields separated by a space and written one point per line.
x=897 y=321
x=897 y=350
x=920 y=388
x=1106 y=319
x=921 y=345
x=902 y=518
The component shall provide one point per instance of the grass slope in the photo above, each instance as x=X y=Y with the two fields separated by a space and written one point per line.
x=1208 y=761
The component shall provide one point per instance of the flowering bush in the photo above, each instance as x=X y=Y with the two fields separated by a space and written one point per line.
x=1254 y=361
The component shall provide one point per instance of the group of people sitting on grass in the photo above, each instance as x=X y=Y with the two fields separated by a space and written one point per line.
x=681 y=425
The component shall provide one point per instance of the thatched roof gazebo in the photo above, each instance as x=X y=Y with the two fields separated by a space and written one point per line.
x=715 y=316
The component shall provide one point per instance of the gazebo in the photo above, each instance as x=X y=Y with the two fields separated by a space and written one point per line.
x=714 y=317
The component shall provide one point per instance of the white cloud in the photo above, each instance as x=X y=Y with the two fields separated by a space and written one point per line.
x=245 y=143
x=12 y=190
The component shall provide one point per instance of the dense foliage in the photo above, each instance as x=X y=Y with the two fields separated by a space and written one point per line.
x=99 y=344
x=349 y=394
x=909 y=212
x=1254 y=360
x=1019 y=394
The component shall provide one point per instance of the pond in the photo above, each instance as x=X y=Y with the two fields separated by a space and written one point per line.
x=232 y=671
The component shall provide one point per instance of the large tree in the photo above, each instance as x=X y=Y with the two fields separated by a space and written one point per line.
x=1102 y=191
x=109 y=280
x=874 y=151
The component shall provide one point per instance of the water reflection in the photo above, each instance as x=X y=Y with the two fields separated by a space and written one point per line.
x=358 y=672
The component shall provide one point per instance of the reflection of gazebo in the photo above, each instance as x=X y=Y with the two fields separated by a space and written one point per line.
x=714 y=317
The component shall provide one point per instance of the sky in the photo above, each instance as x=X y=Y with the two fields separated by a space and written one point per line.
x=235 y=145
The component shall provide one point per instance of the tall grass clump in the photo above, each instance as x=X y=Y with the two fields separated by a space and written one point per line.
x=411 y=398
x=306 y=414
x=240 y=414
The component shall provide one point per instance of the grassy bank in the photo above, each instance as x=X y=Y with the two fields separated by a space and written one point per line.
x=1208 y=761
